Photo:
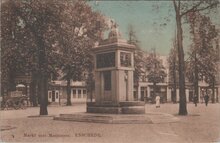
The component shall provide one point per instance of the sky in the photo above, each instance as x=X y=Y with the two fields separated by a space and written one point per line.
x=146 y=19
x=153 y=21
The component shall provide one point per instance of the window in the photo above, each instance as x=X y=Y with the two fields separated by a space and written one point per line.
x=50 y=93
x=135 y=95
x=74 y=93
x=142 y=95
x=107 y=80
x=125 y=59
x=84 y=93
x=105 y=60
x=56 y=95
x=79 y=93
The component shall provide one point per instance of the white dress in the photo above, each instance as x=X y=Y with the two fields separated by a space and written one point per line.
x=157 y=101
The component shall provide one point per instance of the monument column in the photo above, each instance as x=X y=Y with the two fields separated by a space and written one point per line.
x=187 y=95
x=139 y=92
x=169 y=99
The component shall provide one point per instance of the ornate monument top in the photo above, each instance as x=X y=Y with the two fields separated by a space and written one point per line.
x=114 y=33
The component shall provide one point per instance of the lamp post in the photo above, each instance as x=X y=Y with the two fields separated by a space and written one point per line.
x=126 y=80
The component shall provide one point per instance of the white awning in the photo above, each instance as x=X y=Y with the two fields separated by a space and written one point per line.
x=20 y=85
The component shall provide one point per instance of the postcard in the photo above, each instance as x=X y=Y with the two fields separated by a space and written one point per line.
x=110 y=71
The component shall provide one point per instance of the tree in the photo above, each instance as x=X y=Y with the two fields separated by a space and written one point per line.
x=203 y=53
x=193 y=68
x=155 y=69
x=208 y=53
x=173 y=70
x=182 y=8
x=33 y=28
x=12 y=57
x=25 y=32
x=81 y=30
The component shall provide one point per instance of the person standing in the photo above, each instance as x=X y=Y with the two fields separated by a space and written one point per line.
x=157 y=101
x=206 y=98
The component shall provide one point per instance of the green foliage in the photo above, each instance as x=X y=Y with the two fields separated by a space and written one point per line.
x=66 y=30
x=27 y=26
x=155 y=69
x=173 y=63
x=173 y=69
x=81 y=29
x=182 y=8
x=44 y=37
x=203 y=52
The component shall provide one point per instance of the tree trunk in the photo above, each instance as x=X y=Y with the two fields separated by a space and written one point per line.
x=68 y=90
x=196 y=80
x=174 y=79
x=34 y=96
x=174 y=90
x=182 y=94
x=213 y=90
x=12 y=84
x=38 y=91
x=196 y=74
x=42 y=74
x=43 y=95
x=33 y=89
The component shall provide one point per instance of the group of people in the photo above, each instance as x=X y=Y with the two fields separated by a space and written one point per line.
x=195 y=100
x=206 y=98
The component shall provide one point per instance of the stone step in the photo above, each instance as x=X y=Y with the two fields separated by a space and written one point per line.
x=116 y=119
x=92 y=120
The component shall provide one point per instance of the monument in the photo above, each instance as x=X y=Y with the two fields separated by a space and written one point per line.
x=114 y=67
x=114 y=101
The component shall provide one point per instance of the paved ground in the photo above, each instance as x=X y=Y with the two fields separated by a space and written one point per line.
x=201 y=125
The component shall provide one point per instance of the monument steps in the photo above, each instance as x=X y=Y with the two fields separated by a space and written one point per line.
x=109 y=118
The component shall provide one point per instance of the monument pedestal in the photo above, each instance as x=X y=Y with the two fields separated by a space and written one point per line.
x=127 y=107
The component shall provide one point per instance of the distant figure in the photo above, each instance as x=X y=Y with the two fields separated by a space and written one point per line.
x=206 y=98
x=195 y=99
x=157 y=101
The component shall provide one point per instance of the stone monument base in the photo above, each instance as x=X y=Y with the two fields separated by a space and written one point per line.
x=106 y=118
x=126 y=107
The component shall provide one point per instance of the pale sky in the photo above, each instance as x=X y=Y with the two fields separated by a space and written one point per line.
x=153 y=21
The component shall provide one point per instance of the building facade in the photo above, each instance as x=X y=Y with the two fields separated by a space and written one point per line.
x=143 y=90
x=57 y=92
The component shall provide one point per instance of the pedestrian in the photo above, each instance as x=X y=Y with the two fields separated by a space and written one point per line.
x=206 y=98
x=195 y=99
x=157 y=101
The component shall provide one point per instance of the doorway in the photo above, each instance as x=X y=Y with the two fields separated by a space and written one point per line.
x=53 y=96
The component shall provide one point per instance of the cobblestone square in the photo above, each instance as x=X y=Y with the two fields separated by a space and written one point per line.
x=201 y=125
